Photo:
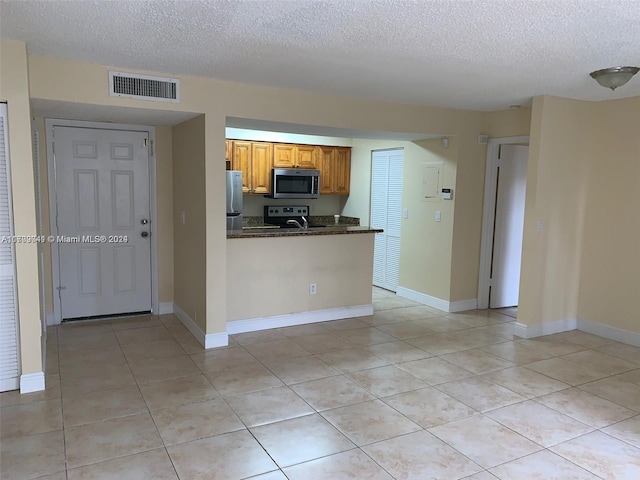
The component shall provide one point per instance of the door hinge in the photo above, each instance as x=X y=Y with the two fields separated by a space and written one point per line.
x=61 y=288
x=148 y=143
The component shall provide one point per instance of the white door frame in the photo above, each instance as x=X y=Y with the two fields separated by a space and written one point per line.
x=50 y=123
x=488 y=214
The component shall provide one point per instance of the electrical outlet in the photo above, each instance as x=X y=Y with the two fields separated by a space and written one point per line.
x=312 y=289
x=183 y=217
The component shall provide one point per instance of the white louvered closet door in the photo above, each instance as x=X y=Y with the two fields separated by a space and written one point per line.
x=9 y=367
x=386 y=213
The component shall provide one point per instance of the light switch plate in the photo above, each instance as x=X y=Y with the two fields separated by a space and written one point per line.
x=438 y=216
x=405 y=213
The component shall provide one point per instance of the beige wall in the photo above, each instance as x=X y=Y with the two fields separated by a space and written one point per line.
x=189 y=239
x=583 y=183
x=271 y=276
x=64 y=80
x=14 y=89
x=609 y=277
x=47 y=272
x=426 y=267
x=507 y=123
x=425 y=248
x=560 y=155
x=164 y=209
x=551 y=259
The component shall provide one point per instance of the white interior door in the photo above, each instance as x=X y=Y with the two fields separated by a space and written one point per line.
x=386 y=213
x=509 y=224
x=9 y=365
x=102 y=193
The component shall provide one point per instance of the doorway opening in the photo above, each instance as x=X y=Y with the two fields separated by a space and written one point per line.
x=503 y=222
x=102 y=218
x=387 y=168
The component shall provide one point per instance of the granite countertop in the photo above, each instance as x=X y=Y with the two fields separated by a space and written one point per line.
x=293 y=232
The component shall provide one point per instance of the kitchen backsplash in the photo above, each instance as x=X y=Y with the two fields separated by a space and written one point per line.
x=252 y=221
x=325 y=205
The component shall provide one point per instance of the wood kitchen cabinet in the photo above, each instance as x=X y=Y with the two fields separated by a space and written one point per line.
x=261 y=162
x=294 y=156
x=306 y=157
x=284 y=155
x=326 y=161
x=254 y=160
x=228 y=153
x=342 y=171
x=334 y=164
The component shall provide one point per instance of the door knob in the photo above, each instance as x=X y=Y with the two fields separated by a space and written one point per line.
x=144 y=221
x=144 y=234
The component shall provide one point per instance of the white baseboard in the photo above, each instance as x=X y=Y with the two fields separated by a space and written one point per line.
x=463 y=305
x=548 y=328
x=32 y=382
x=612 y=333
x=438 y=303
x=423 y=298
x=165 y=308
x=211 y=340
x=302 y=318
x=558 y=326
x=50 y=319
x=214 y=340
x=188 y=322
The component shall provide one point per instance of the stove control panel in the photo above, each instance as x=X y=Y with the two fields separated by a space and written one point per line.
x=285 y=211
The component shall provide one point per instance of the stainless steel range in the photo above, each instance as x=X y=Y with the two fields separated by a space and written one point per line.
x=279 y=215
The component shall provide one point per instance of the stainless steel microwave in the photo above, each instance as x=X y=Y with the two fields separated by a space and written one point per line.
x=295 y=183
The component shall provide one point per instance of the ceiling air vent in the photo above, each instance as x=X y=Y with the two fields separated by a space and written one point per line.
x=144 y=87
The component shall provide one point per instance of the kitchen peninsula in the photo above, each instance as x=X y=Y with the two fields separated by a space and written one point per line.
x=282 y=277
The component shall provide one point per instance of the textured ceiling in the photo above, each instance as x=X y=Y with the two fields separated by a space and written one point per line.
x=472 y=54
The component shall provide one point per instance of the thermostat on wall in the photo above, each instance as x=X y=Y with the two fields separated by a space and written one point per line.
x=446 y=193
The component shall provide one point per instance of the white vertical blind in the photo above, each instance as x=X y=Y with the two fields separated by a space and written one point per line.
x=9 y=367
x=379 y=259
x=379 y=178
x=394 y=194
x=386 y=213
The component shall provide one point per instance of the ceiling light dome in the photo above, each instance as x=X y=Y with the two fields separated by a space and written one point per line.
x=614 y=77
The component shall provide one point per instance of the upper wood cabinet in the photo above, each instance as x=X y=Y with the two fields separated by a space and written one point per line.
x=306 y=157
x=261 y=161
x=335 y=169
x=256 y=159
x=342 y=170
x=326 y=161
x=284 y=155
x=228 y=153
x=242 y=161
x=253 y=159
x=287 y=155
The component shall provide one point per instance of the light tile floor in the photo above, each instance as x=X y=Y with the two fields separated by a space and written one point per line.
x=408 y=393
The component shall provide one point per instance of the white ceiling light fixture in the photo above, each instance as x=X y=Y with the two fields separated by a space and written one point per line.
x=614 y=77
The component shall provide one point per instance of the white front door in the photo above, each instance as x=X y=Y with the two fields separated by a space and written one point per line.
x=386 y=213
x=102 y=193
x=509 y=225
